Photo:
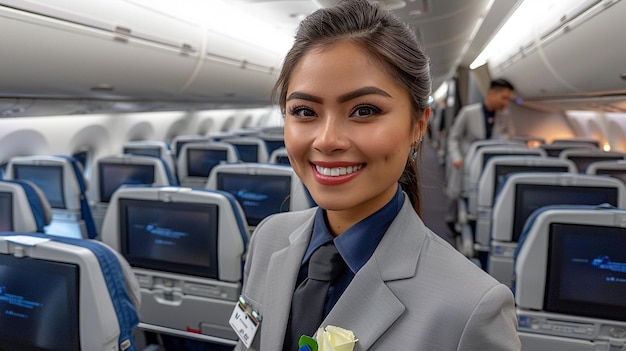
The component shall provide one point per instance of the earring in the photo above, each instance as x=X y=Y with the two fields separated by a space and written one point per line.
x=415 y=148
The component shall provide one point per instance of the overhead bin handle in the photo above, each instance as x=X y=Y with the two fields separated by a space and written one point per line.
x=187 y=49
x=124 y=31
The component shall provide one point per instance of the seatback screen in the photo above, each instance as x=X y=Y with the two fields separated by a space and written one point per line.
x=200 y=162
x=39 y=303
x=114 y=175
x=170 y=236
x=49 y=178
x=530 y=197
x=586 y=271
x=259 y=195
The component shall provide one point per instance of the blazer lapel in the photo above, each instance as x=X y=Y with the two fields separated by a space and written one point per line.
x=480 y=124
x=368 y=307
x=282 y=273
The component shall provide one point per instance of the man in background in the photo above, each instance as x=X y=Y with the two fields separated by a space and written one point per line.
x=478 y=121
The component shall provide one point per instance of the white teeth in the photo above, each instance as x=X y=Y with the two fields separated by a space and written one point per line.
x=334 y=172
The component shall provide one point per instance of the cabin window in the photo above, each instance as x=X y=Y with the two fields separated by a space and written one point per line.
x=82 y=157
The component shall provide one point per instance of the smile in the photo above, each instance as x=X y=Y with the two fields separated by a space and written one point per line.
x=337 y=171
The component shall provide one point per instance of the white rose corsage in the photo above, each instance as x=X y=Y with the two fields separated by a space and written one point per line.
x=330 y=338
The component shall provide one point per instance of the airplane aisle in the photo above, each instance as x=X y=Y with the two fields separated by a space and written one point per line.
x=434 y=201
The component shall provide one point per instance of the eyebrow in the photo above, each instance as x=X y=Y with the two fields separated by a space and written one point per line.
x=369 y=90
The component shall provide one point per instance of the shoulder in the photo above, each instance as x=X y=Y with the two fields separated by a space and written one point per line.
x=280 y=225
x=470 y=109
x=273 y=233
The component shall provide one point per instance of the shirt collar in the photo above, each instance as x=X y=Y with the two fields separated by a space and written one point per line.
x=488 y=113
x=357 y=244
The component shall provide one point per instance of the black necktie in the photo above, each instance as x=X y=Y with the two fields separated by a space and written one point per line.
x=309 y=298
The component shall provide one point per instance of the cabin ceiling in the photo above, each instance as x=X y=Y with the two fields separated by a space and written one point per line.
x=69 y=57
x=452 y=32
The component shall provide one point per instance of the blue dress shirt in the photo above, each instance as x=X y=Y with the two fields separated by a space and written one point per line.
x=356 y=245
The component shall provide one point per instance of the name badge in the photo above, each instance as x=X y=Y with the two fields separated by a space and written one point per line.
x=244 y=321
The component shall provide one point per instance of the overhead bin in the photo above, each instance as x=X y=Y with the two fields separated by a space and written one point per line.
x=234 y=70
x=124 y=51
x=125 y=17
x=583 y=57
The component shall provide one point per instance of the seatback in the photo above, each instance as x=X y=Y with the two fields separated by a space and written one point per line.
x=62 y=181
x=523 y=193
x=113 y=172
x=280 y=156
x=612 y=168
x=180 y=140
x=495 y=170
x=555 y=150
x=471 y=152
x=154 y=148
x=198 y=159
x=570 y=279
x=261 y=189
x=580 y=141
x=250 y=149
x=23 y=207
x=65 y=294
x=274 y=140
x=186 y=247
x=480 y=160
x=584 y=157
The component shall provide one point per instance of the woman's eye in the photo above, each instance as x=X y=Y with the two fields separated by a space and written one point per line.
x=301 y=111
x=365 y=111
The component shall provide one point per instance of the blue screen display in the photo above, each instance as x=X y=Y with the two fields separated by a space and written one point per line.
x=259 y=195
x=587 y=271
x=38 y=305
x=170 y=236
x=114 y=175
x=200 y=162
x=49 y=178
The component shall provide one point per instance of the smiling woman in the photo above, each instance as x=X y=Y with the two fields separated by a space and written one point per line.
x=354 y=91
x=338 y=119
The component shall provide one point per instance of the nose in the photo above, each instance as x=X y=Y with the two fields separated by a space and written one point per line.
x=331 y=135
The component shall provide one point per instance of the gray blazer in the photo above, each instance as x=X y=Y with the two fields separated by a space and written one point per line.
x=416 y=292
x=469 y=126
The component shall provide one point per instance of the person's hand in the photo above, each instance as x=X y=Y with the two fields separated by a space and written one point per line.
x=458 y=164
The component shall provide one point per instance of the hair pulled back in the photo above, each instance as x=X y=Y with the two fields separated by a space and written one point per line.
x=387 y=40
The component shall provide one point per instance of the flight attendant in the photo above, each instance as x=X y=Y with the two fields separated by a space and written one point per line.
x=354 y=91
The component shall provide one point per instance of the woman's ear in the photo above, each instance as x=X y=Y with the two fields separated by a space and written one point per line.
x=422 y=125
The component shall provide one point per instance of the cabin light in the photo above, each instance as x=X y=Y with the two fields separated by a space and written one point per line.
x=606 y=147
x=441 y=92
x=541 y=18
x=234 y=21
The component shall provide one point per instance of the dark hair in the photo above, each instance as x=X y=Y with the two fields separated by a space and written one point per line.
x=500 y=83
x=387 y=39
